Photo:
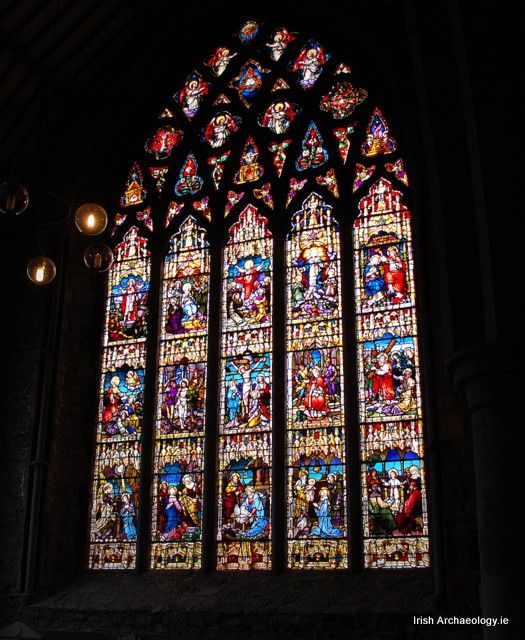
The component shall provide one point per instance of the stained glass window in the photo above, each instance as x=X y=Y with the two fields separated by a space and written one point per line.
x=245 y=423
x=179 y=434
x=114 y=496
x=395 y=522
x=268 y=153
x=317 y=531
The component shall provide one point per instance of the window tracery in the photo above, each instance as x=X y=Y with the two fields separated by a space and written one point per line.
x=239 y=154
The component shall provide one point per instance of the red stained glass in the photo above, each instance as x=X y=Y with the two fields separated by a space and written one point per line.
x=191 y=95
x=295 y=187
x=278 y=150
x=278 y=43
x=217 y=164
x=329 y=180
x=342 y=135
x=395 y=521
x=264 y=194
x=232 y=198
x=342 y=99
x=159 y=175
x=362 y=174
x=220 y=128
x=220 y=60
x=398 y=170
x=309 y=64
x=279 y=116
x=163 y=141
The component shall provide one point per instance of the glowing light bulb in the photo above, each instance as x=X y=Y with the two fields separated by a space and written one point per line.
x=91 y=219
x=41 y=270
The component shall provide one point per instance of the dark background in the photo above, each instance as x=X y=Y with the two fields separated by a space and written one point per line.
x=81 y=82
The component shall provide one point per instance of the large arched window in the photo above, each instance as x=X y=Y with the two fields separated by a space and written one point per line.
x=280 y=365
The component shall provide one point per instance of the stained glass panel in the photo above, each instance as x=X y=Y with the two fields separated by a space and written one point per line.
x=278 y=150
x=250 y=169
x=119 y=219
x=159 y=175
x=342 y=69
x=191 y=95
x=163 y=141
x=179 y=434
x=316 y=486
x=313 y=153
x=115 y=502
x=342 y=135
x=220 y=60
x=174 y=209
x=395 y=521
x=280 y=40
x=189 y=181
x=279 y=116
x=245 y=423
x=265 y=194
x=342 y=99
x=398 y=170
x=362 y=174
x=220 y=128
x=134 y=193
x=249 y=31
x=232 y=199
x=167 y=113
x=221 y=99
x=378 y=138
x=249 y=81
x=309 y=63
x=144 y=216
x=295 y=187
x=217 y=164
x=329 y=180
x=280 y=85
x=203 y=207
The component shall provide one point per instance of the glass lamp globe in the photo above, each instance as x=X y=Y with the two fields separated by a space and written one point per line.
x=14 y=198
x=91 y=219
x=41 y=270
x=98 y=257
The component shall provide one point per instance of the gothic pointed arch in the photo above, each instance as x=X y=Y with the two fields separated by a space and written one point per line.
x=264 y=154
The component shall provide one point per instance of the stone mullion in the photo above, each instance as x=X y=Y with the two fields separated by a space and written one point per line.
x=150 y=398
x=209 y=518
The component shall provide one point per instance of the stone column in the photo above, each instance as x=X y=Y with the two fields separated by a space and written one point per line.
x=489 y=378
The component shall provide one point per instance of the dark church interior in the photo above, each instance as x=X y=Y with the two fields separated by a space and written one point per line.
x=82 y=81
